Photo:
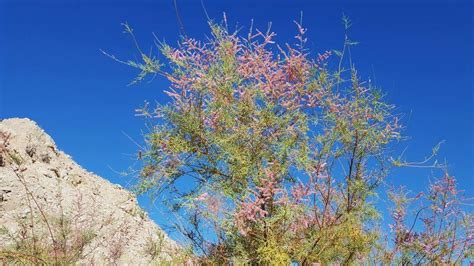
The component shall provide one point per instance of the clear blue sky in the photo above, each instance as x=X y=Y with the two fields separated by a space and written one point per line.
x=51 y=70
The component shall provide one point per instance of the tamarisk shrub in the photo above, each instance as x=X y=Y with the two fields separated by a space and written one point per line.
x=268 y=155
x=445 y=234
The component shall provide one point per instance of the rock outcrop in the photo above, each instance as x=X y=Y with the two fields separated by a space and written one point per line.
x=54 y=211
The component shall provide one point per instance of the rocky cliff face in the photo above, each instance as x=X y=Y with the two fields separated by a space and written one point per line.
x=54 y=211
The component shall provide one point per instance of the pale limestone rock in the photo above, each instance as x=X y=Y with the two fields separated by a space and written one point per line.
x=122 y=229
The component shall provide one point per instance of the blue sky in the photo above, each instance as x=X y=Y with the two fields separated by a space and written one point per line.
x=51 y=69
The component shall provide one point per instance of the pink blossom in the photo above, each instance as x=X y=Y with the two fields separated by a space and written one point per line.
x=204 y=196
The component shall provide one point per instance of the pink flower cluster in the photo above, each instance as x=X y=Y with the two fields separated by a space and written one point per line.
x=212 y=203
x=253 y=210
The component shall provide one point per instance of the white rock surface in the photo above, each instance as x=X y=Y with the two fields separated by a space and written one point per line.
x=51 y=181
